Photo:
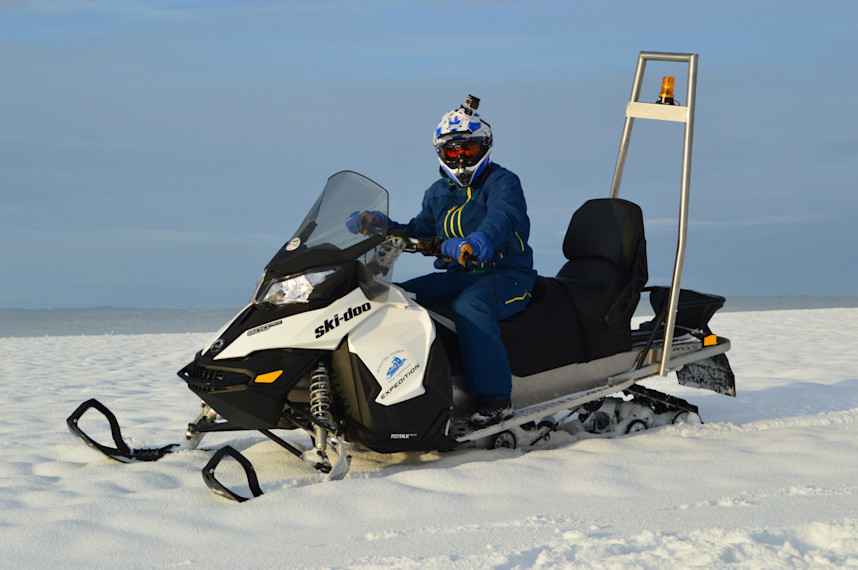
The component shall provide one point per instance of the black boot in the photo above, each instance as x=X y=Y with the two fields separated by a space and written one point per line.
x=491 y=413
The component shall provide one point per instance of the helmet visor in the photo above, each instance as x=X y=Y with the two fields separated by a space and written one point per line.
x=466 y=153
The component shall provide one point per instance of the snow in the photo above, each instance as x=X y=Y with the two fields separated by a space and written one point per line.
x=769 y=480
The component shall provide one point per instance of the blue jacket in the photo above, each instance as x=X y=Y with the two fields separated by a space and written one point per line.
x=493 y=204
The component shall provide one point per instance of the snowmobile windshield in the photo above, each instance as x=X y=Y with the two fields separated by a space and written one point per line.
x=347 y=223
x=346 y=194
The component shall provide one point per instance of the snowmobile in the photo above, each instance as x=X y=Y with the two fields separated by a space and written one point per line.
x=330 y=346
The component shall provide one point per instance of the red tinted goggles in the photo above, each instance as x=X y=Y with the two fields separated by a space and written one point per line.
x=466 y=151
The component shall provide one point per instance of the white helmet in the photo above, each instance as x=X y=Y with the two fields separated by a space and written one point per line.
x=463 y=142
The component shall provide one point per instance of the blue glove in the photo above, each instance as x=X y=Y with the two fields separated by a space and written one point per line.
x=451 y=248
x=353 y=223
x=481 y=246
x=366 y=222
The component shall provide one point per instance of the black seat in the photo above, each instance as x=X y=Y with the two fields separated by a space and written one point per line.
x=547 y=334
x=606 y=271
x=585 y=312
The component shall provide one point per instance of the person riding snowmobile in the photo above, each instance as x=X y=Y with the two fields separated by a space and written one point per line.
x=478 y=208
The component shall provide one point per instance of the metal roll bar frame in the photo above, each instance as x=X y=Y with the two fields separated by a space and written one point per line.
x=662 y=112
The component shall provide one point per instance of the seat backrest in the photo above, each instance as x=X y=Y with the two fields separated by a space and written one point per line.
x=606 y=251
x=606 y=228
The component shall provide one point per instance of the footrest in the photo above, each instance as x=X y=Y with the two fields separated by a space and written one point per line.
x=538 y=411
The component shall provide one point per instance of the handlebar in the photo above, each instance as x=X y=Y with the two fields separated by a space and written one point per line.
x=429 y=247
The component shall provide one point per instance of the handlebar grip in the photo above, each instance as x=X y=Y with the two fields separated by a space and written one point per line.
x=430 y=247
x=466 y=253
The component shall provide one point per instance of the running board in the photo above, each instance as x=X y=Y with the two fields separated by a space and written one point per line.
x=616 y=383
x=536 y=412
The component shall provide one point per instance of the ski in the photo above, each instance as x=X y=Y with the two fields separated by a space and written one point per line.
x=120 y=450
x=219 y=488
x=327 y=471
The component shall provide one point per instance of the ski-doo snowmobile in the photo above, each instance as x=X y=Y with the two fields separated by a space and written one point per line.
x=329 y=345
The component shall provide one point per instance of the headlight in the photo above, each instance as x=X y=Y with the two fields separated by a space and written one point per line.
x=294 y=288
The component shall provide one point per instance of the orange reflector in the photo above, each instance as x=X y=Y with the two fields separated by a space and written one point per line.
x=710 y=340
x=268 y=378
x=666 y=88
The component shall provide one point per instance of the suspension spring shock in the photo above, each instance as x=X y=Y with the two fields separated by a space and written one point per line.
x=320 y=407
x=320 y=395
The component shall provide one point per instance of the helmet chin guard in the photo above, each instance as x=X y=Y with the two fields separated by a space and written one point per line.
x=463 y=141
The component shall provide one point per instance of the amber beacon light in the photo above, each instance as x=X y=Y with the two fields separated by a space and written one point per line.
x=666 y=95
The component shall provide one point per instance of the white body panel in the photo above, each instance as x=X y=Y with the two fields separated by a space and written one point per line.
x=392 y=338
x=394 y=343
x=322 y=329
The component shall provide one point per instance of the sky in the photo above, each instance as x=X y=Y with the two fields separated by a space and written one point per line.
x=158 y=154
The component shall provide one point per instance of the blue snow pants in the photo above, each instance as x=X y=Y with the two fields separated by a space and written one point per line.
x=480 y=300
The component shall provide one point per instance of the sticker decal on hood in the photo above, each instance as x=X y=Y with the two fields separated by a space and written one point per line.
x=395 y=368
x=391 y=364
x=332 y=323
x=264 y=327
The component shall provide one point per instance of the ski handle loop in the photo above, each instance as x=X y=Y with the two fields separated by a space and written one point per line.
x=121 y=450
x=221 y=489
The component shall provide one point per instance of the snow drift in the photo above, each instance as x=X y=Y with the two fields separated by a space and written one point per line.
x=768 y=480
